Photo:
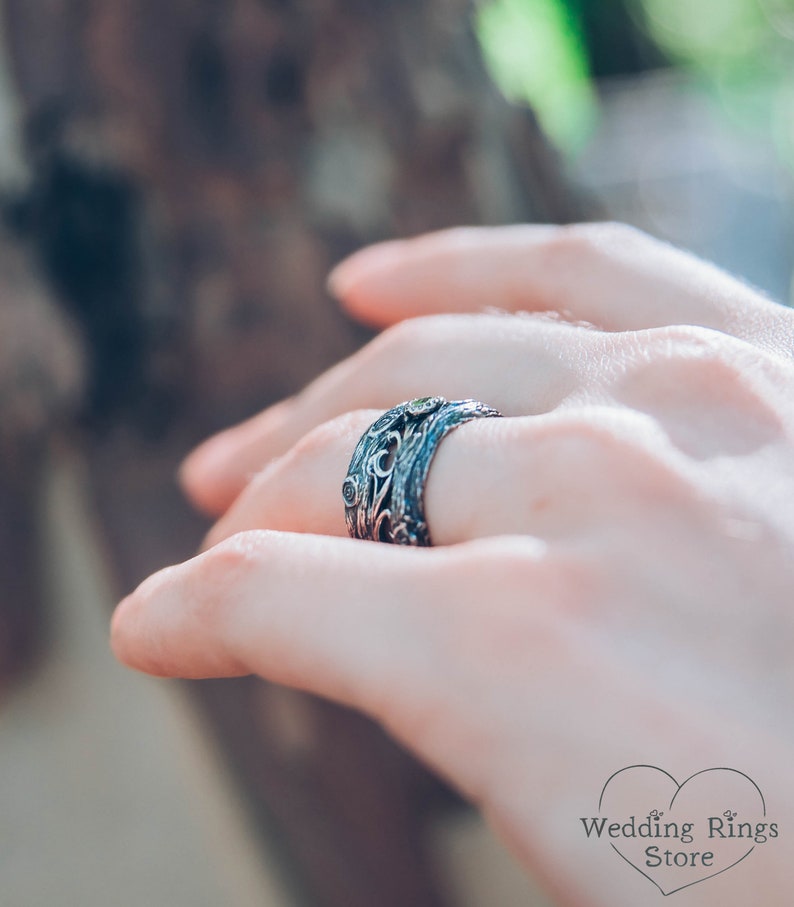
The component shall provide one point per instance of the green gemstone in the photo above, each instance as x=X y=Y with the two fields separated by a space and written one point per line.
x=421 y=406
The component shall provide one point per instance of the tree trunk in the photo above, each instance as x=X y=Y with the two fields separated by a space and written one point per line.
x=196 y=168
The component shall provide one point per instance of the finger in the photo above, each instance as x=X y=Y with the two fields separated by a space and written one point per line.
x=302 y=611
x=552 y=476
x=578 y=473
x=610 y=275
x=518 y=365
x=388 y=630
x=488 y=703
x=302 y=490
x=214 y=473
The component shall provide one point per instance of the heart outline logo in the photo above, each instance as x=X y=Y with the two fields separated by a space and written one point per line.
x=678 y=789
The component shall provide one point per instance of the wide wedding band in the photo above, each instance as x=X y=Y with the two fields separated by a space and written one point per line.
x=384 y=488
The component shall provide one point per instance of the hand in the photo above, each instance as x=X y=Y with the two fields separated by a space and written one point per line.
x=612 y=575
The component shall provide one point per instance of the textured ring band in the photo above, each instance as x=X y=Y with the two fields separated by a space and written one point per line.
x=384 y=487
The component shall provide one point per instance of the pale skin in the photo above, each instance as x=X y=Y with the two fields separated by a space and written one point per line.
x=613 y=568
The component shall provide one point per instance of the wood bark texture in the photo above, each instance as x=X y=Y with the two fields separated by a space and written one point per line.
x=195 y=168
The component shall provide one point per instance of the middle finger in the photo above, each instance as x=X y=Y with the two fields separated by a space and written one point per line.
x=520 y=364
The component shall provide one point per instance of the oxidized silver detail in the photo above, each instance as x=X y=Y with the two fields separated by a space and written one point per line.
x=384 y=487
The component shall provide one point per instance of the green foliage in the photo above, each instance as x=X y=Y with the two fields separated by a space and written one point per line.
x=706 y=32
x=536 y=53
x=740 y=51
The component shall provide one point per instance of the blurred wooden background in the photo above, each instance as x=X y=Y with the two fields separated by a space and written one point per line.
x=176 y=180
x=188 y=173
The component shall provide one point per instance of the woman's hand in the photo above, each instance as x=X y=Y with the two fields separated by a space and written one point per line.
x=613 y=575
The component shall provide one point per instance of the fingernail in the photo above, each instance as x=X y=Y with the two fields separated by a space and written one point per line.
x=361 y=265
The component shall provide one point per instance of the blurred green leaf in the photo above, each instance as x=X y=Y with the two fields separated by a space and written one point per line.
x=536 y=53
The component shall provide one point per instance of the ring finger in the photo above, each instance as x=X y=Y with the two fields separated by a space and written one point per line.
x=552 y=476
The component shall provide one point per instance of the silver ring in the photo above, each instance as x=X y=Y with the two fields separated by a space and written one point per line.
x=384 y=487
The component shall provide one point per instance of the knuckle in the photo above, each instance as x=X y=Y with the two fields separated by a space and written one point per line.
x=401 y=339
x=599 y=433
x=221 y=570
x=612 y=452
x=423 y=342
x=309 y=447
x=591 y=240
x=688 y=352
x=425 y=332
x=415 y=340
x=687 y=339
x=316 y=442
x=229 y=560
x=683 y=374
